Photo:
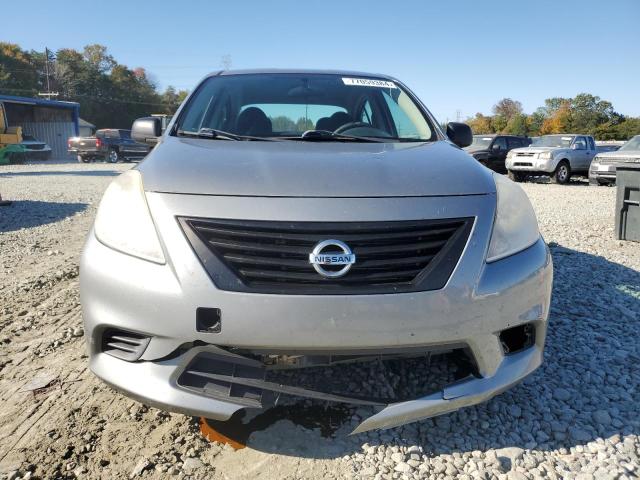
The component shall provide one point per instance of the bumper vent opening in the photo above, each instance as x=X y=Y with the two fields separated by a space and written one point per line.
x=273 y=256
x=518 y=338
x=369 y=380
x=124 y=345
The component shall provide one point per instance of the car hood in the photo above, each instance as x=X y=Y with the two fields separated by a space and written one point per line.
x=312 y=169
x=621 y=156
x=536 y=149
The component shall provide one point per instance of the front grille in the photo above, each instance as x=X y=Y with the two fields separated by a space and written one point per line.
x=273 y=257
x=618 y=160
x=524 y=154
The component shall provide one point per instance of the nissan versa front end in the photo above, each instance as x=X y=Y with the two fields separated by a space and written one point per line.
x=289 y=223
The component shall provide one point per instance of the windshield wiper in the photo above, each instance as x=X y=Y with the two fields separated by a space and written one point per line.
x=214 y=134
x=401 y=139
x=320 y=135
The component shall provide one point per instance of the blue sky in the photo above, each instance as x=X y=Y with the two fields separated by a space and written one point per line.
x=457 y=56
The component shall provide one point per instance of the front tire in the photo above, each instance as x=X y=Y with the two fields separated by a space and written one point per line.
x=516 y=176
x=17 y=157
x=113 y=156
x=562 y=173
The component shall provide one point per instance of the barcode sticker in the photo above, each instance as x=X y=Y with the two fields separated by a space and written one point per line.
x=368 y=82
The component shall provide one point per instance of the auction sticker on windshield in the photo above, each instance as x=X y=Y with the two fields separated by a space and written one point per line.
x=368 y=82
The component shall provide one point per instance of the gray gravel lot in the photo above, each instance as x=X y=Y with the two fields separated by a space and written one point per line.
x=577 y=417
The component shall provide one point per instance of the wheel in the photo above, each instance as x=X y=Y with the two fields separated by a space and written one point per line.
x=17 y=157
x=114 y=156
x=562 y=174
x=82 y=159
x=516 y=176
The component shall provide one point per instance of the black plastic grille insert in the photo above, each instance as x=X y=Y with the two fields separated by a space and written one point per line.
x=273 y=256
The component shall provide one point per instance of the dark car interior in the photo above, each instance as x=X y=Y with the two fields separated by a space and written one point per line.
x=293 y=104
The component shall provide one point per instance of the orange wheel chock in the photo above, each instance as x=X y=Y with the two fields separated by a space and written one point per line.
x=213 y=435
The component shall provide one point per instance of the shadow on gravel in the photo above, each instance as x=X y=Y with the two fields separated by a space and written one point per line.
x=573 y=182
x=81 y=173
x=31 y=213
x=587 y=388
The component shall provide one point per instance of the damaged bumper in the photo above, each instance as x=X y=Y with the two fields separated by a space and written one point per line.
x=157 y=384
x=513 y=369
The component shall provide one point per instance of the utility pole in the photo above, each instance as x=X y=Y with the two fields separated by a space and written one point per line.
x=48 y=93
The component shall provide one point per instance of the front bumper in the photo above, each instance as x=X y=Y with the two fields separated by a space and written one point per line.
x=602 y=172
x=479 y=301
x=531 y=165
x=155 y=384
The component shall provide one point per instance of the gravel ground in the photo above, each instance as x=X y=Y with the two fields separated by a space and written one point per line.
x=577 y=417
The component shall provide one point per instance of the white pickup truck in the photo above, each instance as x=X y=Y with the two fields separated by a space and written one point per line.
x=557 y=156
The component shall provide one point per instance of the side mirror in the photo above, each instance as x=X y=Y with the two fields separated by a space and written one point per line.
x=460 y=134
x=578 y=146
x=147 y=130
x=495 y=147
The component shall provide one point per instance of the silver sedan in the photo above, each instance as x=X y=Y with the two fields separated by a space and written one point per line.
x=291 y=221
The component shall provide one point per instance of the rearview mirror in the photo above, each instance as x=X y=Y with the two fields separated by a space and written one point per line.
x=460 y=134
x=147 y=130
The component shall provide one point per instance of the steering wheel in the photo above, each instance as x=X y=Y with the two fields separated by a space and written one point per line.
x=351 y=125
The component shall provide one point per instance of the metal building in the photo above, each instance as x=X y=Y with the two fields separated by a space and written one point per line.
x=86 y=129
x=50 y=121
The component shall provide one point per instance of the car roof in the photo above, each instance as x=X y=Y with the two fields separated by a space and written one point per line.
x=567 y=135
x=300 y=71
x=492 y=135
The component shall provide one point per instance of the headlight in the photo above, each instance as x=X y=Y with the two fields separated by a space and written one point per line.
x=545 y=155
x=515 y=227
x=123 y=221
x=511 y=154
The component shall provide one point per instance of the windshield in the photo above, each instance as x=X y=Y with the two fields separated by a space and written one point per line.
x=563 y=141
x=287 y=105
x=479 y=142
x=633 y=144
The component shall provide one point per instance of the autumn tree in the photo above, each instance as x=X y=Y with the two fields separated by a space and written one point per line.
x=480 y=124
x=589 y=111
x=507 y=108
x=517 y=125
x=172 y=99
x=18 y=73
x=559 y=121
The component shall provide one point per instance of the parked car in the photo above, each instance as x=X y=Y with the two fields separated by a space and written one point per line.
x=556 y=156
x=110 y=145
x=603 y=166
x=83 y=148
x=491 y=150
x=296 y=219
x=35 y=149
